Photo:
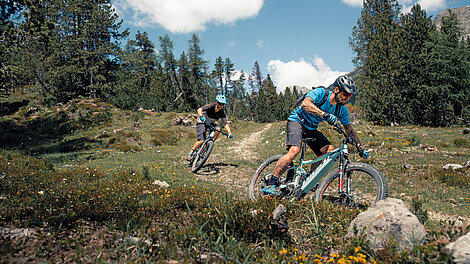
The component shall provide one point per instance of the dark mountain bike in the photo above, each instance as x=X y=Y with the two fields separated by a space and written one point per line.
x=353 y=184
x=199 y=157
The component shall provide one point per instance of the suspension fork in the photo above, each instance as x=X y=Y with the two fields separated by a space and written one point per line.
x=343 y=163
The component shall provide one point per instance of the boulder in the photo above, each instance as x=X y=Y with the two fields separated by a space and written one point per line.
x=452 y=167
x=387 y=221
x=460 y=249
x=182 y=120
x=279 y=223
x=466 y=164
x=162 y=184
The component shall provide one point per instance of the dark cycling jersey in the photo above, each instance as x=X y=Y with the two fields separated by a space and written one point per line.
x=211 y=115
x=311 y=121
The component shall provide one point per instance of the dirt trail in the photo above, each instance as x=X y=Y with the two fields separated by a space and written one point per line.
x=219 y=168
x=244 y=150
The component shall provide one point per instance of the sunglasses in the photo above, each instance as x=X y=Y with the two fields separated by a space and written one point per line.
x=220 y=104
x=347 y=94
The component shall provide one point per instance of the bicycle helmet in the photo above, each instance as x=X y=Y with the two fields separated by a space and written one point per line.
x=221 y=99
x=346 y=83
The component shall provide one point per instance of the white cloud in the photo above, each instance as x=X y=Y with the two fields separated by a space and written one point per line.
x=428 y=5
x=301 y=73
x=185 y=16
x=259 y=43
x=432 y=5
x=353 y=3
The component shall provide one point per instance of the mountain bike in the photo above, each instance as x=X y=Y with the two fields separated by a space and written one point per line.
x=199 y=157
x=352 y=184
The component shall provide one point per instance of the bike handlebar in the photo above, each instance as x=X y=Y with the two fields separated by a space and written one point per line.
x=213 y=128
x=337 y=127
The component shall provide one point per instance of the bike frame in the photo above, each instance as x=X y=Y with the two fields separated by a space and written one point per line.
x=210 y=137
x=328 y=161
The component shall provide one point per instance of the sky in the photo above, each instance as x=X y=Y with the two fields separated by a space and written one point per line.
x=296 y=42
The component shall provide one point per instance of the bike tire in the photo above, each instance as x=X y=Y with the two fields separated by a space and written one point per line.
x=259 y=180
x=367 y=186
x=202 y=156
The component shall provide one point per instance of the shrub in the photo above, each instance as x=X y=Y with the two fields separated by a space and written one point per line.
x=462 y=142
x=164 y=137
x=454 y=178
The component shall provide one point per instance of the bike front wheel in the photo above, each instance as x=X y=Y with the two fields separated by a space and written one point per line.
x=202 y=156
x=363 y=185
x=262 y=175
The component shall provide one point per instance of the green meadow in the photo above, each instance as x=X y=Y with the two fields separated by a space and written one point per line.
x=81 y=182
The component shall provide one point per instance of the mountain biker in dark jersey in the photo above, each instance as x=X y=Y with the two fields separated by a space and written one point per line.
x=303 y=122
x=208 y=114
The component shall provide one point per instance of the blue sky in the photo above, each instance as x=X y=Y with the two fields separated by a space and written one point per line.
x=297 y=42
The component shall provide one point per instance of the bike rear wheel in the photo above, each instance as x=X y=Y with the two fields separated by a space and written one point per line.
x=202 y=155
x=367 y=185
x=263 y=174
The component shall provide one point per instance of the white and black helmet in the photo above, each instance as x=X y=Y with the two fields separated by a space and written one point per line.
x=346 y=83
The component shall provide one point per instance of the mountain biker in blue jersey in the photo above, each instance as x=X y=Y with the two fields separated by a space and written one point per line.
x=303 y=123
x=208 y=114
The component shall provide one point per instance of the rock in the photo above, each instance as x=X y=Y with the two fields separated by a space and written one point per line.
x=163 y=184
x=279 y=223
x=460 y=249
x=466 y=164
x=181 y=120
x=407 y=166
x=428 y=147
x=452 y=166
x=387 y=221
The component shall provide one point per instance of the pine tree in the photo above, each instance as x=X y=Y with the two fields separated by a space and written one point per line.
x=198 y=68
x=446 y=87
x=218 y=74
x=168 y=61
x=228 y=71
x=417 y=28
x=68 y=47
x=376 y=41
x=255 y=79
x=135 y=78
x=266 y=102
x=188 y=97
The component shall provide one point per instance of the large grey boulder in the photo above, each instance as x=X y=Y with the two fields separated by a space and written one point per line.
x=387 y=221
x=460 y=249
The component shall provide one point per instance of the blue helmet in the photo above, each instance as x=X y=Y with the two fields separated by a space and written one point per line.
x=221 y=99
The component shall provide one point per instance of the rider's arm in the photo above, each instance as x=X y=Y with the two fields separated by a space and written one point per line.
x=309 y=106
x=200 y=112
x=351 y=133
x=227 y=127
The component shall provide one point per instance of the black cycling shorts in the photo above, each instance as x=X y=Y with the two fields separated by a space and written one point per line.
x=295 y=133
x=201 y=130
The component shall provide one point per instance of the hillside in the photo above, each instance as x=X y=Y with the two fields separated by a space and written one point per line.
x=93 y=191
x=463 y=14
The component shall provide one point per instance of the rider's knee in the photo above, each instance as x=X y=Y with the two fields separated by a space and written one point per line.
x=327 y=148
x=293 y=151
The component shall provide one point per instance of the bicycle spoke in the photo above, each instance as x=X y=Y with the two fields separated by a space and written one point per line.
x=360 y=190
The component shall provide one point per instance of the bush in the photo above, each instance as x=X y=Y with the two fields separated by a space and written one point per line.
x=462 y=142
x=164 y=137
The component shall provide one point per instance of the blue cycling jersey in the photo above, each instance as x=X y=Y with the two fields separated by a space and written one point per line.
x=311 y=121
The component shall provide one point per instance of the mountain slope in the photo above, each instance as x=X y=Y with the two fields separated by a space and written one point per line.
x=463 y=14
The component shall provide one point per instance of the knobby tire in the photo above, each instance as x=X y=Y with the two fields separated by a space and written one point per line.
x=367 y=186
x=258 y=181
x=202 y=157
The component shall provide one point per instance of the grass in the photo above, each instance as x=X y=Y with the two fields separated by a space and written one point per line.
x=88 y=191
